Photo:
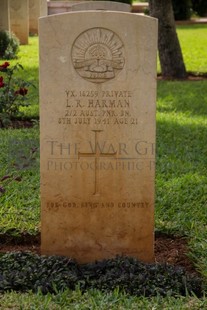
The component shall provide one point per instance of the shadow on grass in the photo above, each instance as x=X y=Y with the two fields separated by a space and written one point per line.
x=181 y=149
x=181 y=177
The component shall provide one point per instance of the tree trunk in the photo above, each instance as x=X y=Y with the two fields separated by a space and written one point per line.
x=170 y=54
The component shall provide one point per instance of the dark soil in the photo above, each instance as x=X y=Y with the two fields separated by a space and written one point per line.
x=173 y=250
x=191 y=77
x=168 y=249
x=17 y=124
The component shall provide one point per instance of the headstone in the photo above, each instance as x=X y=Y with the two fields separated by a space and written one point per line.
x=97 y=94
x=101 y=5
x=19 y=19
x=57 y=7
x=37 y=8
x=4 y=15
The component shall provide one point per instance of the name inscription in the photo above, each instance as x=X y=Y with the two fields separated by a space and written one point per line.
x=90 y=107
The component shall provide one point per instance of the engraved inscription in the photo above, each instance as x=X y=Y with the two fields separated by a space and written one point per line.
x=98 y=107
x=98 y=55
x=55 y=206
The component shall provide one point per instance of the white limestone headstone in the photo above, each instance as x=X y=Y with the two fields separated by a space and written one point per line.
x=101 y=5
x=19 y=19
x=4 y=15
x=37 y=8
x=97 y=97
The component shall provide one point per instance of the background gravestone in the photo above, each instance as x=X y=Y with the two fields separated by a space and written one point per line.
x=37 y=8
x=56 y=7
x=101 y=5
x=19 y=19
x=97 y=93
x=4 y=15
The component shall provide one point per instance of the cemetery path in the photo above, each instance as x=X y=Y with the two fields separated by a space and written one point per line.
x=168 y=249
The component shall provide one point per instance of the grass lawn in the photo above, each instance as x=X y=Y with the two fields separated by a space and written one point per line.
x=95 y=300
x=193 y=41
x=181 y=179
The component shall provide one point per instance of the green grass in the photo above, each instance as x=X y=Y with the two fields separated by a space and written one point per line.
x=95 y=300
x=193 y=42
x=181 y=178
x=20 y=205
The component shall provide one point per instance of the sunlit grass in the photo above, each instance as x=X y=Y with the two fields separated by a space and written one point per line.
x=193 y=42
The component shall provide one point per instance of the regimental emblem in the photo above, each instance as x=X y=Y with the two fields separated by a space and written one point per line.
x=98 y=55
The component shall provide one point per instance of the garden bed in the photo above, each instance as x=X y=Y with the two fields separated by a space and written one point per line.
x=168 y=249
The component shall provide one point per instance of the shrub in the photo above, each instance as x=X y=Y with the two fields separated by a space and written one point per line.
x=27 y=271
x=139 y=279
x=13 y=93
x=200 y=7
x=182 y=9
x=9 y=45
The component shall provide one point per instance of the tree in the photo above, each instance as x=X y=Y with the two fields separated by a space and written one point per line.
x=170 y=54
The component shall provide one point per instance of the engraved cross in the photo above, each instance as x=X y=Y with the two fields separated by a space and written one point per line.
x=97 y=154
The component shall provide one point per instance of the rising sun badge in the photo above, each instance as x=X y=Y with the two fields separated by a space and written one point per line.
x=98 y=55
